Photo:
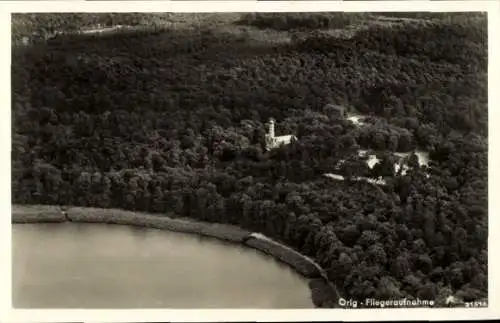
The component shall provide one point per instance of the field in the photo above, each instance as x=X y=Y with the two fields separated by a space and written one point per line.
x=168 y=116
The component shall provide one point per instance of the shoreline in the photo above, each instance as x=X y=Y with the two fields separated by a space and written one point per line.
x=323 y=293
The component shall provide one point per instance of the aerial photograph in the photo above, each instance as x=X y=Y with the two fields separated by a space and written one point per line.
x=264 y=160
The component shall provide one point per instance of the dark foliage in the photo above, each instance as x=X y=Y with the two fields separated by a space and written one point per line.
x=172 y=121
x=300 y=20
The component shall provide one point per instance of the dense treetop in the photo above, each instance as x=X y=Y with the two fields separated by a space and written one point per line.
x=171 y=120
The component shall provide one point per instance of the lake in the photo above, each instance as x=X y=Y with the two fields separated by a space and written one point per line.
x=76 y=265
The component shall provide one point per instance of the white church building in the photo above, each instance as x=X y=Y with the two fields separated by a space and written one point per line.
x=274 y=142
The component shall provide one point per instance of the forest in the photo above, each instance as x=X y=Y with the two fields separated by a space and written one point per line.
x=172 y=120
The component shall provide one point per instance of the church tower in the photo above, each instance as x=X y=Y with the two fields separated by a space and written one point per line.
x=271 y=133
x=272 y=141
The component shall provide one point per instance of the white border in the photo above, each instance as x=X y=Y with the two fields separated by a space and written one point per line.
x=244 y=6
x=7 y=314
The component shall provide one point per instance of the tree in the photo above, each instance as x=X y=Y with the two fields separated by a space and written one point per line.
x=385 y=166
x=428 y=291
x=401 y=267
x=388 y=289
x=368 y=238
x=158 y=203
x=392 y=143
x=98 y=122
x=377 y=254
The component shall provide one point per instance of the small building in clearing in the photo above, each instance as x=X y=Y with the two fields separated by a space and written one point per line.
x=334 y=110
x=274 y=142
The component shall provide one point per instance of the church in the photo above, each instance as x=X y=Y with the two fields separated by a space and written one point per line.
x=274 y=142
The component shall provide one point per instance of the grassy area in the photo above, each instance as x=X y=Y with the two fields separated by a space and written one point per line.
x=37 y=213
x=114 y=216
x=290 y=257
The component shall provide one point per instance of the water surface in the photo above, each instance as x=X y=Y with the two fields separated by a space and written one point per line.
x=73 y=265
